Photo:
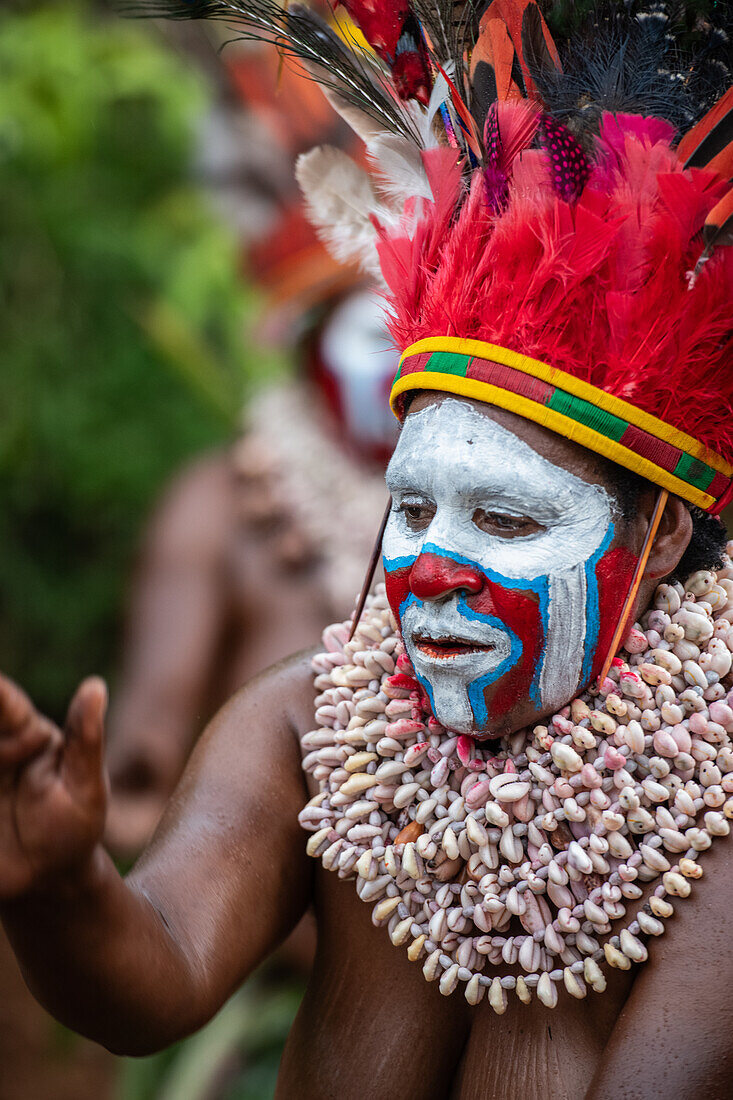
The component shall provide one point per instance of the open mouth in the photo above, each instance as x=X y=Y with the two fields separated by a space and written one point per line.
x=448 y=646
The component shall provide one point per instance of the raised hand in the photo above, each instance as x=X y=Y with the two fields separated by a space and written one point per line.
x=53 y=791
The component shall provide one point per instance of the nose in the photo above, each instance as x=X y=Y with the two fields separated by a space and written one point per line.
x=434 y=577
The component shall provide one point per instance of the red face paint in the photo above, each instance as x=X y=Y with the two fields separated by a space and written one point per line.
x=521 y=611
x=505 y=615
x=614 y=573
x=517 y=610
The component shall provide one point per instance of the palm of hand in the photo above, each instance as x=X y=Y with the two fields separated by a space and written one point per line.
x=52 y=788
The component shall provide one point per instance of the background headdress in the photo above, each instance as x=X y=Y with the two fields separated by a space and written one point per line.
x=547 y=243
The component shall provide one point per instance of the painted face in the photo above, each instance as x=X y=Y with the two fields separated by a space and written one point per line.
x=360 y=360
x=500 y=569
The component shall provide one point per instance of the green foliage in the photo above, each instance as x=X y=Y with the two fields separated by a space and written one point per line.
x=122 y=318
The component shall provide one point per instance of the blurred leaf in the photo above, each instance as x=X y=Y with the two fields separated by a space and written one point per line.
x=99 y=227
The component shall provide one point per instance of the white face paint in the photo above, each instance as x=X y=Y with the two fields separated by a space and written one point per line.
x=452 y=466
x=360 y=355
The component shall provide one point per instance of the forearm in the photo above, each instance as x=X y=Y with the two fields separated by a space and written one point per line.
x=101 y=958
x=136 y=964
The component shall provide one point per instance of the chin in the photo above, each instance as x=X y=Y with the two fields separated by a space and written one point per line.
x=465 y=728
x=494 y=731
x=496 y=727
x=488 y=734
x=468 y=726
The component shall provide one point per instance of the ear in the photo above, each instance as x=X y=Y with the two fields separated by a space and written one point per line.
x=673 y=536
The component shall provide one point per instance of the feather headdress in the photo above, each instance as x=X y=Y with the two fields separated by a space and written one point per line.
x=548 y=242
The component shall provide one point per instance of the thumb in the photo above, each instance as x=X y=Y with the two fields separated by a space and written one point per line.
x=84 y=731
x=16 y=709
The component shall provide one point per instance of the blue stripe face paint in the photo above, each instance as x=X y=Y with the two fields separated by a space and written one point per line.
x=492 y=556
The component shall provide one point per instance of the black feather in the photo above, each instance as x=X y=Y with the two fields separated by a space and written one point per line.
x=717 y=235
x=534 y=46
x=352 y=73
x=483 y=92
x=631 y=58
x=518 y=75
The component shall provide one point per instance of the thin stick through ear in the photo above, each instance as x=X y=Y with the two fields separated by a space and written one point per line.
x=651 y=534
x=376 y=551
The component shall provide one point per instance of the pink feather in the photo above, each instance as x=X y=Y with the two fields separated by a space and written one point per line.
x=516 y=123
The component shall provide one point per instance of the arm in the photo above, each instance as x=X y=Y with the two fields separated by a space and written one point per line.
x=176 y=619
x=136 y=964
x=673 y=1038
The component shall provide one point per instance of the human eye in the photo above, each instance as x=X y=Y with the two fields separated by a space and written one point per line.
x=418 y=513
x=506 y=525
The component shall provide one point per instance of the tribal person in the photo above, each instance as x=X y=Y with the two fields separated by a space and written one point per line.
x=522 y=759
x=252 y=548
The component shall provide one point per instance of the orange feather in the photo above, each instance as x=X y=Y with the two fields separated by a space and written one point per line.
x=723 y=162
x=494 y=47
x=512 y=13
x=695 y=137
x=718 y=227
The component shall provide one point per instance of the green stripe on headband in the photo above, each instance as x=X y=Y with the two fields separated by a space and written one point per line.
x=597 y=420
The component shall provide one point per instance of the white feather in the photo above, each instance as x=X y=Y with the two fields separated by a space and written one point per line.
x=398 y=169
x=363 y=125
x=341 y=201
x=423 y=118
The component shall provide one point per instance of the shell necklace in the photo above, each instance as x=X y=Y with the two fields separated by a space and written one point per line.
x=476 y=859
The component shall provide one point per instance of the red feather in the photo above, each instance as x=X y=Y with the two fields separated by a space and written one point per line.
x=686 y=198
x=390 y=28
x=381 y=22
x=598 y=288
x=516 y=125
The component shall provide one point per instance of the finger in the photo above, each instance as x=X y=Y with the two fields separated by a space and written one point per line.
x=16 y=708
x=26 y=743
x=84 y=731
x=37 y=769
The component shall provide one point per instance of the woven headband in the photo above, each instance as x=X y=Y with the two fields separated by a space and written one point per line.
x=572 y=408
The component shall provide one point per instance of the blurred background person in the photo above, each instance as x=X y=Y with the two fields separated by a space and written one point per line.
x=253 y=547
x=130 y=348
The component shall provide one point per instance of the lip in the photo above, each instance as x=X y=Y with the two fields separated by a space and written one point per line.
x=447 y=646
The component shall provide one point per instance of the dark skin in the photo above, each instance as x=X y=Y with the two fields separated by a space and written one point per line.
x=211 y=607
x=138 y=963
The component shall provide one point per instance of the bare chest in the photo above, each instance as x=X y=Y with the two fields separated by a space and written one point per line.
x=371 y=1026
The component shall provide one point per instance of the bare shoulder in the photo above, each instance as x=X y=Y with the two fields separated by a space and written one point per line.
x=252 y=746
x=689 y=976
